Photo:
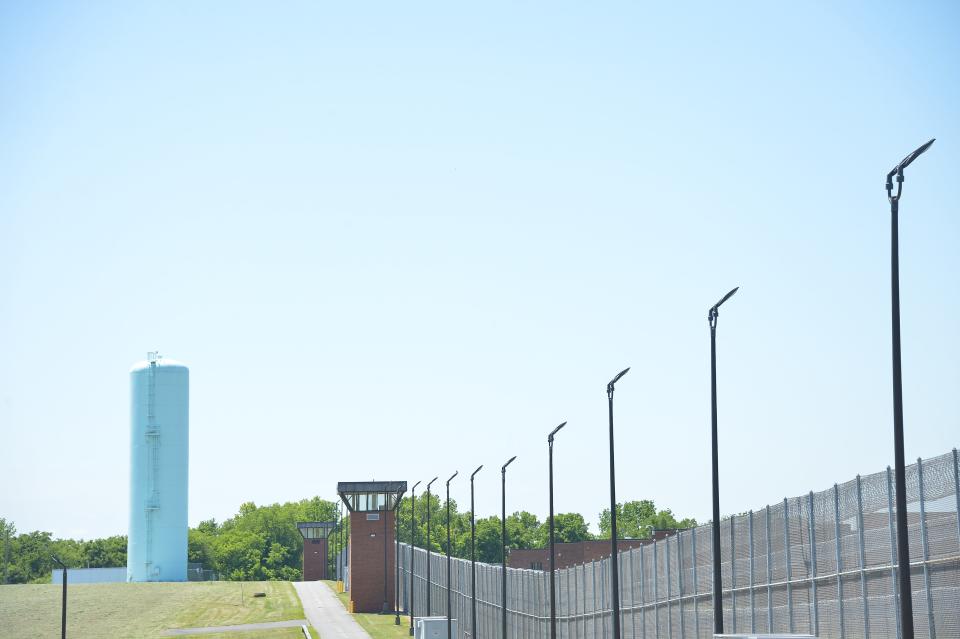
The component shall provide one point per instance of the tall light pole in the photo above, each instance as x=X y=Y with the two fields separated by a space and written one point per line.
x=553 y=587
x=712 y=315
x=413 y=540
x=339 y=543
x=63 y=605
x=428 y=544
x=503 y=538
x=473 y=559
x=449 y=600
x=614 y=572
x=900 y=476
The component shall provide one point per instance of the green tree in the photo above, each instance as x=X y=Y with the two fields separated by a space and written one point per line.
x=638 y=520
x=568 y=527
x=523 y=530
x=489 y=546
x=260 y=542
x=108 y=552
x=7 y=531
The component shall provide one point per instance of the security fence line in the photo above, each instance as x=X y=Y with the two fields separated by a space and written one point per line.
x=822 y=563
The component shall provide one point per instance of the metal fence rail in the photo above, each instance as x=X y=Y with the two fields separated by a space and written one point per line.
x=821 y=563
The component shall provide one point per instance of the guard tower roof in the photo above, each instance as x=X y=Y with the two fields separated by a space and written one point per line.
x=360 y=496
x=315 y=529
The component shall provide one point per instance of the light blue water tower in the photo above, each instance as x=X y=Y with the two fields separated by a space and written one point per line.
x=159 y=454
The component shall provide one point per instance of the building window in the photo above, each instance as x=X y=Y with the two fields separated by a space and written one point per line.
x=536 y=565
x=373 y=516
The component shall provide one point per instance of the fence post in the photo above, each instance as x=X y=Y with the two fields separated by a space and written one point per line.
x=813 y=565
x=666 y=547
x=633 y=599
x=733 y=576
x=956 y=488
x=894 y=585
x=839 y=555
x=931 y=627
x=620 y=592
x=680 y=581
x=604 y=580
x=583 y=581
x=519 y=599
x=696 y=586
x=593 y=588
x=786 y=547
x=576 y=603
x=766 y=511
x=862 y=561
x=753 y=615
x=643 y=600
x=656 y=591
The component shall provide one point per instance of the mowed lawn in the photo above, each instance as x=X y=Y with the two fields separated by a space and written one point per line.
x=145 y=610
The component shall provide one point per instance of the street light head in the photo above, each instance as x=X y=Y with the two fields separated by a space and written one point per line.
x=904 y=163
x=59 y=563
x=415 y=485
x=713 y=312
x=907 y=161
x=509 y=461
x=617 y=378
x=725 y=298
x=554 y=432
x=452 y=476
x=431 y=482
x=476 y=471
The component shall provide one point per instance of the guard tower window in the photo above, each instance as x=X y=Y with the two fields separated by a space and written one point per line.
x=371 y=496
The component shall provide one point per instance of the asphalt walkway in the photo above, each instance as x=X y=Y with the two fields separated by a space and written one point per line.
x=325 y=612
x=293 y=623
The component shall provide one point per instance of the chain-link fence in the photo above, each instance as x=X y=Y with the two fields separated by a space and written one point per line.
x=823 y=563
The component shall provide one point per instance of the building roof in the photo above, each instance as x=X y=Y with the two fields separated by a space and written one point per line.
x=347 y=487
x=316 y=524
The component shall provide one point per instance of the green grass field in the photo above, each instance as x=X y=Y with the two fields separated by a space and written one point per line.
x=145 y=610
x=377 y=626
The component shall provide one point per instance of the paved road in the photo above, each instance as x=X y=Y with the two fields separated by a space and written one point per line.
x=326 y=613
x=293 y=623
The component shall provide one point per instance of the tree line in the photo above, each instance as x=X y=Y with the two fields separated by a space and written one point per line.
x=263 y=543
x=25 y=558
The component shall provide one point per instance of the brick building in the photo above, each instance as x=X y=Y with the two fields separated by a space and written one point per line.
x=576 y=553
x=315 y=556
x=371 y=553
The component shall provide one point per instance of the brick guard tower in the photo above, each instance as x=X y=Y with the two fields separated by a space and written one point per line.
x=315 y=553
x=371 y=547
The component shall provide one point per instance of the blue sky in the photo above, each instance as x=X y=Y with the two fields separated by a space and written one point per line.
x=430 y=233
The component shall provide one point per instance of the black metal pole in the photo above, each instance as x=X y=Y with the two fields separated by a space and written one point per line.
x=715 y=528
x=449 y=599
x=339 y=544
x=63 y=605
x=428 y=545
x=614 y=564
x=553 y=587
x=503 y=538
x=396 y=567
x=386 y=575
x=712 y=315
x=473 y=560
x=900 y=473
x=413 y=539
